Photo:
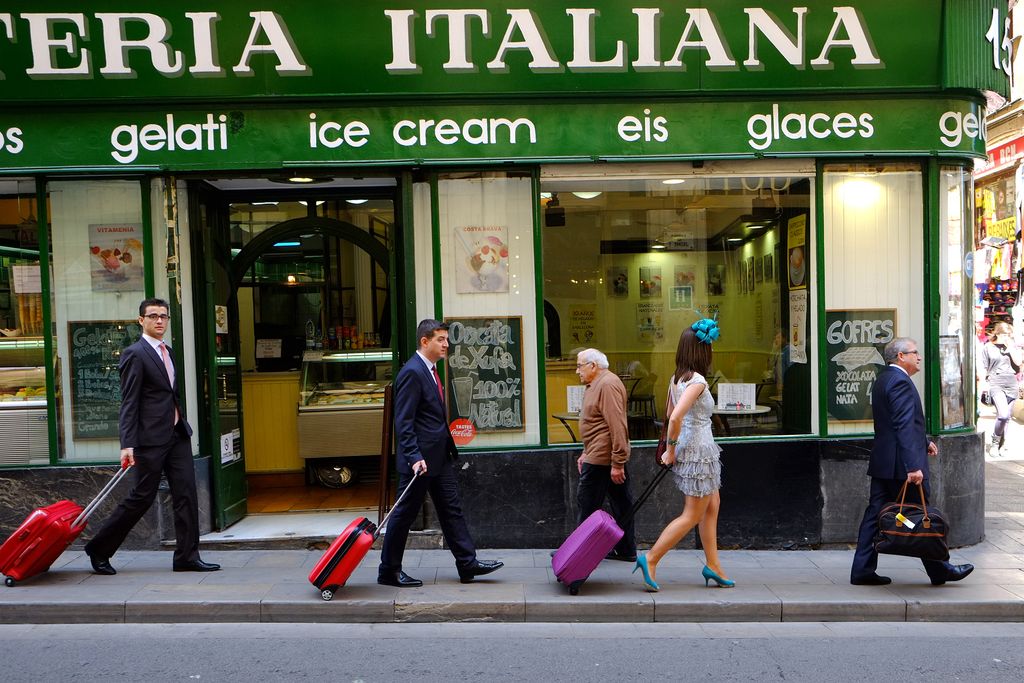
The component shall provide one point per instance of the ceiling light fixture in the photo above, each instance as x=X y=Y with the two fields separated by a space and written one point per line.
x=357 y=201
x=673 y=181
x=587 y=195
x=301 y=179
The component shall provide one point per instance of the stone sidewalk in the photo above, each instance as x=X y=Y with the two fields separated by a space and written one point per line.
x=811 y=585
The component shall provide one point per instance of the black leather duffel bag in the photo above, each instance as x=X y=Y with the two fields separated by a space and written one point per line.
x=912 y=529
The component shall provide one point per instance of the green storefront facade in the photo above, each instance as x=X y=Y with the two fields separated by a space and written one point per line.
x=304 y=181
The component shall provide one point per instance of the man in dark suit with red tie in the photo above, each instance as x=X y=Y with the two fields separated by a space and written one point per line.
x=899 y=454
x=425 y=446
x=155 y=438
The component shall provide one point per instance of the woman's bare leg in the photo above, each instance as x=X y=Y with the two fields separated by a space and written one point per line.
x=708 y=529
x=693 y=512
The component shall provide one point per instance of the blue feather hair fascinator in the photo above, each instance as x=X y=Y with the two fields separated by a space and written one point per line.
x=706 y=329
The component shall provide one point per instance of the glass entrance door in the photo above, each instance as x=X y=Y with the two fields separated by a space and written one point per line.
x=217 y=346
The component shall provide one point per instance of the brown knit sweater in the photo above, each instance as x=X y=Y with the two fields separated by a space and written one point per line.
x=603 y=421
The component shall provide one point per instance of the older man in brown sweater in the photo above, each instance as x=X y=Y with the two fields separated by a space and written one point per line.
x=605 y=437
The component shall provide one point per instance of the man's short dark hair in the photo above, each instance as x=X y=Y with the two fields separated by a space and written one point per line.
x=427 y=328
x=146 y=303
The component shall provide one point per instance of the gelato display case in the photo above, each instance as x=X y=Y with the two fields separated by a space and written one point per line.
x=23 y=421
x=341 y=402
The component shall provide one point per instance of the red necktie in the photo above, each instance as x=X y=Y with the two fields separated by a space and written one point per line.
x=170 y=372
x=437 y=378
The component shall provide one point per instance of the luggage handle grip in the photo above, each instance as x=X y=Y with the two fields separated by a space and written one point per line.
x=415 y=473
x=84 y=515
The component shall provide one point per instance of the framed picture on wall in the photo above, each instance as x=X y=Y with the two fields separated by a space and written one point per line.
x=618 y=281
x=741 y=271
x=750 y=273
x=716 y=280
x=758 y=269
x=768 y=269
x=650 y=282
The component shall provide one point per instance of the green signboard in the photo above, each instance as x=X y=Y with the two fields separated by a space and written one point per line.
x=322 y=136
x=485 y=373
x=854 y=342
x=162 y=50
x=95 y=348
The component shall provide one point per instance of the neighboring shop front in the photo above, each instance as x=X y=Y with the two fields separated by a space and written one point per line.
x=545 y=178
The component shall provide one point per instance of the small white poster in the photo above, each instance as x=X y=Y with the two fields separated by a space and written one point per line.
x=228 y=452
x=736 y=395
x=268 y=348
x=797 y=339
x=574 y=398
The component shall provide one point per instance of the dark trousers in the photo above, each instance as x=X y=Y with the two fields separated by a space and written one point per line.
x=444 y=492
x=865 y=561
x=595 y=486
x=175 y=459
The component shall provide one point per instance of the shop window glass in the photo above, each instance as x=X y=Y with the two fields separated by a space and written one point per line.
x=956 y=343
x=97 y=252
x=23 y=420
x=485 y=230
x=874 y=281
x=631 y=262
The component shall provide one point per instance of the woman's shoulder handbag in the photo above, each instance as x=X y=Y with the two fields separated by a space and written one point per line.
x=912 y=530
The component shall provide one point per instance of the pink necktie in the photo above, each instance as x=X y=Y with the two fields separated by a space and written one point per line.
x=437 y=378
x=170 y=372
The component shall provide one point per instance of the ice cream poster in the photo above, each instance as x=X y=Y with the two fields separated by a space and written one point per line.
x=115 y=257
x=481 y=259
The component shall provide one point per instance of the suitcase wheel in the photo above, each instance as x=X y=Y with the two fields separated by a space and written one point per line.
x=9 y=582
x=574 y=587
x=328 y=593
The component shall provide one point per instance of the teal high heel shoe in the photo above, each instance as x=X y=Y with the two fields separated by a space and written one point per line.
x=719 y=581
x=641 y=563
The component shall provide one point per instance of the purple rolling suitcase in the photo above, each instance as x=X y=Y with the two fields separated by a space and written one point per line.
x=580 y=554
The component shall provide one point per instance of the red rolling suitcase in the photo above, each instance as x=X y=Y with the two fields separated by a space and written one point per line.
x=46 y=533
x=346 y=552
x=578 y=556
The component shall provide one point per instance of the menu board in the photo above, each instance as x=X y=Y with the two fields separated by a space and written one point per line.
x=854 y=342
x=95 y=351
x=485 y=373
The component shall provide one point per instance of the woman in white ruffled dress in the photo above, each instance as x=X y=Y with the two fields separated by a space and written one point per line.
x=694 y=457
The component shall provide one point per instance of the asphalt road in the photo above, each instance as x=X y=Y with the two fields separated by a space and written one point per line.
x=513 y=652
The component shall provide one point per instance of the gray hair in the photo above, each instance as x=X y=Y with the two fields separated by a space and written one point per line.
x=593 y=356
x=897 y=346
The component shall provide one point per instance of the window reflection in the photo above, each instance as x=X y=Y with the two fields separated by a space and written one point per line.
x=628 y=263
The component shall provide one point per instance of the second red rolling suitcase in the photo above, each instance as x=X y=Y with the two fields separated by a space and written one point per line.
x=579 y=555
x=45 y=534
x=346 y=552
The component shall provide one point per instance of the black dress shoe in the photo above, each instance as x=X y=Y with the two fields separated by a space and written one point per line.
x=478 y=568
x=871 y=580
x=101 y=565
x=957 y=572
x=399 y=580
x=196 y=566
x=621 y=558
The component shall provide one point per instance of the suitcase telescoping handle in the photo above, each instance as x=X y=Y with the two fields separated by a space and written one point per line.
x=393 y=507
x=84 y=515
x=662 y=471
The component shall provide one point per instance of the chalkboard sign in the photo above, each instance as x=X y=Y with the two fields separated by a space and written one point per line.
x=854 y=342
x=485 y=373
x=95 y=349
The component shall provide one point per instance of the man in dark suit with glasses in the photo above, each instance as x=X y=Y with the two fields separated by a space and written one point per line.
x=155 y=438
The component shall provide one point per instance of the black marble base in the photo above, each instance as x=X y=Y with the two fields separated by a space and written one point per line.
x=23 y=490
x=775 y=494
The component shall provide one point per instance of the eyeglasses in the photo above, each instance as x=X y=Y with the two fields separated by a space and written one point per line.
x=583 y=365
x=157 y=316
x=916 y=353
